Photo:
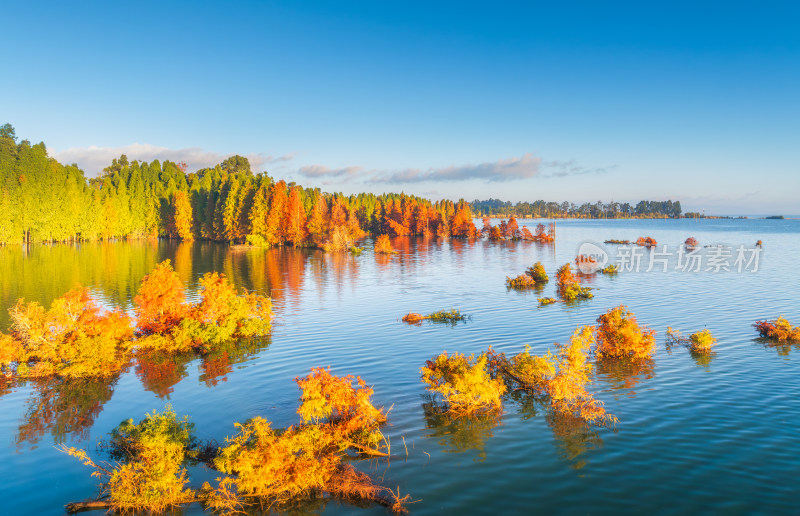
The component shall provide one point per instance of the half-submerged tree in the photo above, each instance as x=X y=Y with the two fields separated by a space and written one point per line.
x=259 y=464
x=568 y=286
x=464 y=383
x=778 y=329
x=620 y=336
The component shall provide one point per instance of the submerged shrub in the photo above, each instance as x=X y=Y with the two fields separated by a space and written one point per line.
x=619 y=335
x=614 y=241
x=271 y=467
x=561 y=377
x=160 y=304
x=778 y=329
x=702 y=341
x=544 y=301
x=646 y=241
x=71 y=339
x=383 y=245
x=699 y=342
x=568 y=286
x=464 y=383
x=221 y=314
x=452 y=316
x=522 y=281
x=538 y=273
x=610 y=269
x=691 y=243
x=148 y=475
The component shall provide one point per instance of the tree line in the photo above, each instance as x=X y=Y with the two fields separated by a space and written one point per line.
x=42 y=200
x=598 y=210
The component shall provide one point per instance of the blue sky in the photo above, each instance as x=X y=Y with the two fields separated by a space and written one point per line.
x=579 y=101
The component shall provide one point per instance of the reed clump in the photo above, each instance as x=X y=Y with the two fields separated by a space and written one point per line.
x=619 y=242
x=778 y=329
x=620 y=336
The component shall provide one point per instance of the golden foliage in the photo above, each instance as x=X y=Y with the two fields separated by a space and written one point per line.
x=534 y=276
x=71 y=339
x=149 y=475
x=383 y=245
x=646 y=241
x=544 y=301
x=778 y=329
x=464 y=383
x=561 y=377
x=259 y=463
x=568 y=285
x=619 y=335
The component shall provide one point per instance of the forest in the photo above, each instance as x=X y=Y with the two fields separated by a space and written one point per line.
x=42 y=200
x=598 y=210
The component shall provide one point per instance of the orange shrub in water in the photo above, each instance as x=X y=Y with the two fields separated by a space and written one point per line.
x=646 y=241
x=691 y=242
x=160 y=304
x=619 y=335
x=221 y=314
x=383 y=245
x=778 y=329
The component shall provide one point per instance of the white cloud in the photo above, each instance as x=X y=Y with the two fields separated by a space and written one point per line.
x=321 y=171
x=94 y=159
x=523 y=167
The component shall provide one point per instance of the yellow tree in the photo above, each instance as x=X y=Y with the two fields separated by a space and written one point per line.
x=182 y=210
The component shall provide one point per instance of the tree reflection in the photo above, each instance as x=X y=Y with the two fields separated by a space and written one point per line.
x=216 y=365
x=573 y=435
x=461 y=434
x=624 y=373
x=63 y=407
x=160 y=372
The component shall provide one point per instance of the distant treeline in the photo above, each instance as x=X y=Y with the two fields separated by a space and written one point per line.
x=598 y=210
x=42 y=200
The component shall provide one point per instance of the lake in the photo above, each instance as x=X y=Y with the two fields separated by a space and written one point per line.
x=695 y=434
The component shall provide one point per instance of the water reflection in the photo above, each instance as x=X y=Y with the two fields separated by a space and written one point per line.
x=63 y=408
x=625 y=374
x=573 y=435
x=461 y=434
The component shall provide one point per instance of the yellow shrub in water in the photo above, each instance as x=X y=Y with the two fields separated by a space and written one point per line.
x=562 y=376
x=149 y=475
x=464 y=383
x=71 y=339
x=702 y=341
x=619 y=335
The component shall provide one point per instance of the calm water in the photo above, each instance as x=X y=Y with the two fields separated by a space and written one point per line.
x=694 y=434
